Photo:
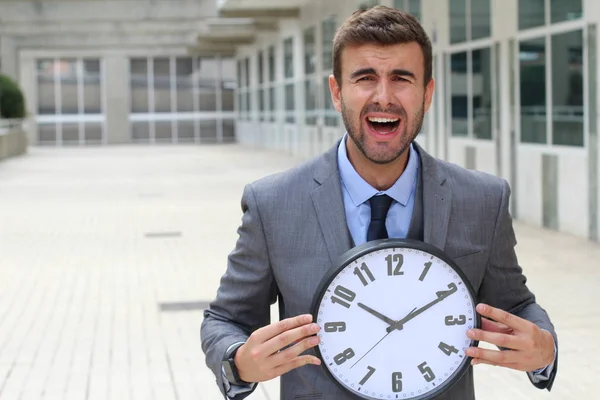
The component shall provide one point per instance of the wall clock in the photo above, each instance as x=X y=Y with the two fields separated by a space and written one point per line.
x=394 y=316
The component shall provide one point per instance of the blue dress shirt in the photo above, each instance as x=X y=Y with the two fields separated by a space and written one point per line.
x=357 y=192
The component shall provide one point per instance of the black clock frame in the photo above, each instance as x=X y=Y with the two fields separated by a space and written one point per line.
x=359 y=251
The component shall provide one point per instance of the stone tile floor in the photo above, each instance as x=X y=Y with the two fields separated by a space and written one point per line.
x=107 y=256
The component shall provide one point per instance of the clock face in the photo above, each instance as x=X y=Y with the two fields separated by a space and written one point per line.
x=394 y=318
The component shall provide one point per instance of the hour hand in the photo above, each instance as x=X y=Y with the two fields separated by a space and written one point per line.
x=377 y=314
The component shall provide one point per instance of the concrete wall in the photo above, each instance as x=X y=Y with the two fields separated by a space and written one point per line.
x=13 y=140
x=8 y=57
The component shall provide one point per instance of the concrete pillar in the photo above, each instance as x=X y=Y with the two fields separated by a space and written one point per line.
x=117 y=107
x=8 y=57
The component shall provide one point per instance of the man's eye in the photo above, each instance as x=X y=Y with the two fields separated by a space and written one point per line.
x=365 y=78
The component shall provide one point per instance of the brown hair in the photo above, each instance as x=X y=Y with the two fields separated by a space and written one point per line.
x=384 y=26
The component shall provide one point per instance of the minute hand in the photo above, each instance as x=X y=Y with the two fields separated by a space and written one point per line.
x=441 y=295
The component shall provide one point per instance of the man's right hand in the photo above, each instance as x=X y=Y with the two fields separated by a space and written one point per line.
x=260 y=358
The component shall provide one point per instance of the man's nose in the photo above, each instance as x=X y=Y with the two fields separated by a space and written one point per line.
x=383 y=94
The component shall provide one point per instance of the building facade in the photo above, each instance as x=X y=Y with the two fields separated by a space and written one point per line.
x=120 y=71
x=516 y=95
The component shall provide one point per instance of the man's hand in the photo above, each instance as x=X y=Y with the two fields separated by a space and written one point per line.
x=532 y=348
x=260 y=358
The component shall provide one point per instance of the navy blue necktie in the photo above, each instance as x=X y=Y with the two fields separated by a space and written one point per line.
x=379 y=209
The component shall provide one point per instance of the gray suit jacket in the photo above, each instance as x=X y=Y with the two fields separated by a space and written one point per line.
x=294 y=228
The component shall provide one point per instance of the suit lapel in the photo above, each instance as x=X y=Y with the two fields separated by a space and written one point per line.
x=329 y=206
x=437 y=201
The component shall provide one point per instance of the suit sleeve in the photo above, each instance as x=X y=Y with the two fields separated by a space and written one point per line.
x=504 y=284
x=246 y=292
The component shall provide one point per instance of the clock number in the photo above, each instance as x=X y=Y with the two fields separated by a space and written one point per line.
x=395 y=258
x=367 y=271
x=447 y=349
x=396 y=382
x=425 y=271
x=343 y=356
x=427 y=372
x=450 y=320
x=367 y=376
x=345 y=294
x=335 y=327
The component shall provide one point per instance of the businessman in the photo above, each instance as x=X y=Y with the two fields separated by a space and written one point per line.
x=296 y=223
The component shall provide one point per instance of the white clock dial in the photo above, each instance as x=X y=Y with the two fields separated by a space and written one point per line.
x=394 y=322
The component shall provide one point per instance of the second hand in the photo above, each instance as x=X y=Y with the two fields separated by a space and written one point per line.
x=370 y=349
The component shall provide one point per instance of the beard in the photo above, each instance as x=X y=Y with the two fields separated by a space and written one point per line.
x=385 y=152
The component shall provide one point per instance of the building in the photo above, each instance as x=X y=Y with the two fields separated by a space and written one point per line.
x=516 y=94
x=121 y=71
x=516 y=88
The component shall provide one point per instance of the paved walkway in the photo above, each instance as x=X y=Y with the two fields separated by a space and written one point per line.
x=107 y=256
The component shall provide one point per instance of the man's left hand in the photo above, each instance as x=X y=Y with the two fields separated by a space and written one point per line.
x=529 y=347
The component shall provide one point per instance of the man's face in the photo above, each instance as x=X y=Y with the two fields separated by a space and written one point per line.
x=382 y=98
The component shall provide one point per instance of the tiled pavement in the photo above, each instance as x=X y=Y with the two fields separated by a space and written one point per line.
x=103 y=249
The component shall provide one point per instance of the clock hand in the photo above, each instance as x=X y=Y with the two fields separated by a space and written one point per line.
x=441 y=295
x=392 y=322
x=377 y=314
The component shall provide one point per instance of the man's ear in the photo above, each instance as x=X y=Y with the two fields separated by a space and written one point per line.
x=336 y=93
x=429 y=94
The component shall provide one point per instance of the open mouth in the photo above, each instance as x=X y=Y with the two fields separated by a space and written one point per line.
x=383 y=125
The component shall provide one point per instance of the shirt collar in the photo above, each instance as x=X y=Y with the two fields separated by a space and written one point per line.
x=360 y=191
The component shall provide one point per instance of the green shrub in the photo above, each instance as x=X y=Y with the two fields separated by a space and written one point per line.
x=12 y=102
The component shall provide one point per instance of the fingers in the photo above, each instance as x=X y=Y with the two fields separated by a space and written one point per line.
x=492 y=326
x=270 y=331
x=493 y=357
x=293 y=364
x=287 y=338
x=291 y=354
x=504 y=317
x=499 y=339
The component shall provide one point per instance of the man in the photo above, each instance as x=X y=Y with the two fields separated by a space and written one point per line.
x=296 y=223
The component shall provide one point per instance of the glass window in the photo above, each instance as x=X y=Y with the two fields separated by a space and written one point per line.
x=289 y=103
x=567 y=89
x=207 y=84
x=458 y=21
x=272 y=64
x=247 y=72
x=329 y=28
x=532 y=13
x=162 y=85
x=93 y=132
x=46 y=89
x=186 y=131
x=414 y=8
x=92 y=88
x=70 y=133
x=310 y=88
x=565 y=10
x=532 y=60
x=481 y=19
x=367 y=4
x=184 y=75
x=459 y=104
x=228 y=83
x=69 y=92
x=272 y=100
x=138 y=68
x=260 y=68
x=310 y=62
x=239 y=73
x=482 y=93
x=288 y=57
x=261 y=104
x=331 y=114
